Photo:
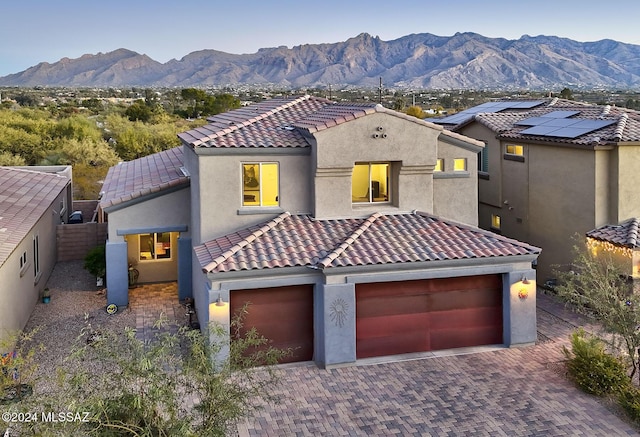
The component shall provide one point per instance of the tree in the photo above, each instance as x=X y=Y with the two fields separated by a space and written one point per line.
x=416 y=111
x=566 y=93
x=597 y=287
x=138 y=111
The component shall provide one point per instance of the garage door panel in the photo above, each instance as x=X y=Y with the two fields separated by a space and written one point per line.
x=283 y=315
x=388 y=326
x=463 y=319
x=377 y=306
x=455 y=338
x=393 y=345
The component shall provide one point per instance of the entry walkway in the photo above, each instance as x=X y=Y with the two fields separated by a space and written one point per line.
x=149 y=302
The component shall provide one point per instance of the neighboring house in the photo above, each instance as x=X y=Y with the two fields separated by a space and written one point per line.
x=33 y=201
x=552 y=170
x=349 y=229
x=621 y=243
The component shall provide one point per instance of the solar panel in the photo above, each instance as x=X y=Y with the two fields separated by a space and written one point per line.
x=561 y=114
x=531 y=121
x=488 y=107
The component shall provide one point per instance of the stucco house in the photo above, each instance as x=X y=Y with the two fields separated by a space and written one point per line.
x=552 y=170
x=349 y=229
x=33 y=201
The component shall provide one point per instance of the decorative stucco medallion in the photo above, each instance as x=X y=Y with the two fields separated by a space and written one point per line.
x=338 y=311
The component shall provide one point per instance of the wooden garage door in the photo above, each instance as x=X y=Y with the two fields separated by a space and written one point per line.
x=284 y=315
x=417 y=316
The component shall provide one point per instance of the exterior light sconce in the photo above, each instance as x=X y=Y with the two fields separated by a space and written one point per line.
x=523 y=288
x=220 y=302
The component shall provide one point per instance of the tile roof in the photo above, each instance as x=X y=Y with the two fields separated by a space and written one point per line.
x=285 y=123
x=299 y=240
x=143 y=176
x=624 y=234
x=24 y=196
x=625 y=126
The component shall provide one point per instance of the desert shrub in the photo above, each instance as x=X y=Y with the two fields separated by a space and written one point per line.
x=96 y=262
x=629 y=400
x=592 y=368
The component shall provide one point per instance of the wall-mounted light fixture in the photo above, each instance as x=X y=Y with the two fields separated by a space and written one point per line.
x=524 y=280
x=220 y=302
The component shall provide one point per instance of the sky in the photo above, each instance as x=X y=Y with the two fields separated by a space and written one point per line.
x=33 y=31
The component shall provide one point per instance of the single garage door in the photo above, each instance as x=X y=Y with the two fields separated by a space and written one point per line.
x=284 y=315
x=418 y=316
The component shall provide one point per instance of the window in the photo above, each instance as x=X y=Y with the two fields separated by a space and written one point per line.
x=483 y=160
x=370 y=182
x=495 y=222
x=439 y=165
x=512 y=149
x=24 y=263
x=460 y=164
x=260 y=184
x=155 y=246
x=36 y=256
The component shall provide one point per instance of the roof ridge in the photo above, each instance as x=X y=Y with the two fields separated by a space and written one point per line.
x=622 y=123
x=234 y=126
x=244 y=242
x=349 y=240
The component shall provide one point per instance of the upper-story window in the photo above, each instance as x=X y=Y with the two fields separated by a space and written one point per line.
x=439 y=165
x=460 y=164
x=370 y=182
x=513 y=149
x=260 y=184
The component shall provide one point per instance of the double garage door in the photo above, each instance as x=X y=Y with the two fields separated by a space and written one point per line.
x=418 y=316
x=391 y=317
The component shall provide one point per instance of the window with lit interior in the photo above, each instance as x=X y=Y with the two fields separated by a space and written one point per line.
x=260 y=184
x=370 y=182
x=155 y=246
x=460 y=164
x=512 y=149
x=439 y=165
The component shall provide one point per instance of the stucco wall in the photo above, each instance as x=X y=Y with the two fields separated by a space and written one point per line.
x=219 y=207
x=20 y=292
x=455 y=193
x=628 y=186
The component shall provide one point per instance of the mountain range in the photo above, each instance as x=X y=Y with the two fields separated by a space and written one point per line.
x=461 y=61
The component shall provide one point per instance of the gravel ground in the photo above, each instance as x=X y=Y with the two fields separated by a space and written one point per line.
x=74 y=300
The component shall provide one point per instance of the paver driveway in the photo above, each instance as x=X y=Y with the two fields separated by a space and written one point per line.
x=505 y=392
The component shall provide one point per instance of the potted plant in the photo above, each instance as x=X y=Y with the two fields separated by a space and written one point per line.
x=46 y=295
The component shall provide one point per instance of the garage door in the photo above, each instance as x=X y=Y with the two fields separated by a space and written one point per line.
x=284 y=315
x=417 y=316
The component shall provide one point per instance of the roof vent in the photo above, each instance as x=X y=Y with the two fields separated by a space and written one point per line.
x=287 y=127
x=184 y=172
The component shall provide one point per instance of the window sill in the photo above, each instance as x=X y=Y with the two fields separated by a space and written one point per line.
x=451 y=175
x=517 y=158
x=483 y=175
x=255 y=210
x=24 y=269
x=37 y=278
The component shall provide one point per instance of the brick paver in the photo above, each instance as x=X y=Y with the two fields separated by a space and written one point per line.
x=504 y=392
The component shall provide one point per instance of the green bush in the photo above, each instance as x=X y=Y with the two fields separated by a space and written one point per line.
x=629 y=400
x=96 y=262
x=592 y=369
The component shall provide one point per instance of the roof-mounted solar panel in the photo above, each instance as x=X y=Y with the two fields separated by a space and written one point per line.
x=488 y=107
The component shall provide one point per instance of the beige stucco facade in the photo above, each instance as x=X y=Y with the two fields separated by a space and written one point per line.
x=555 y=193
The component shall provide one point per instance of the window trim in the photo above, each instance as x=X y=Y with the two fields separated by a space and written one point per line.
x=37 y=273
x=260 y=185
x=24 y=263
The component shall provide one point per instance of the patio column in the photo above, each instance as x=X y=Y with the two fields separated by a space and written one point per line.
x=117 y=273
x=519 y=308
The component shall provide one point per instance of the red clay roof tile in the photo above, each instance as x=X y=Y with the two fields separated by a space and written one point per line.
x=299 y=240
